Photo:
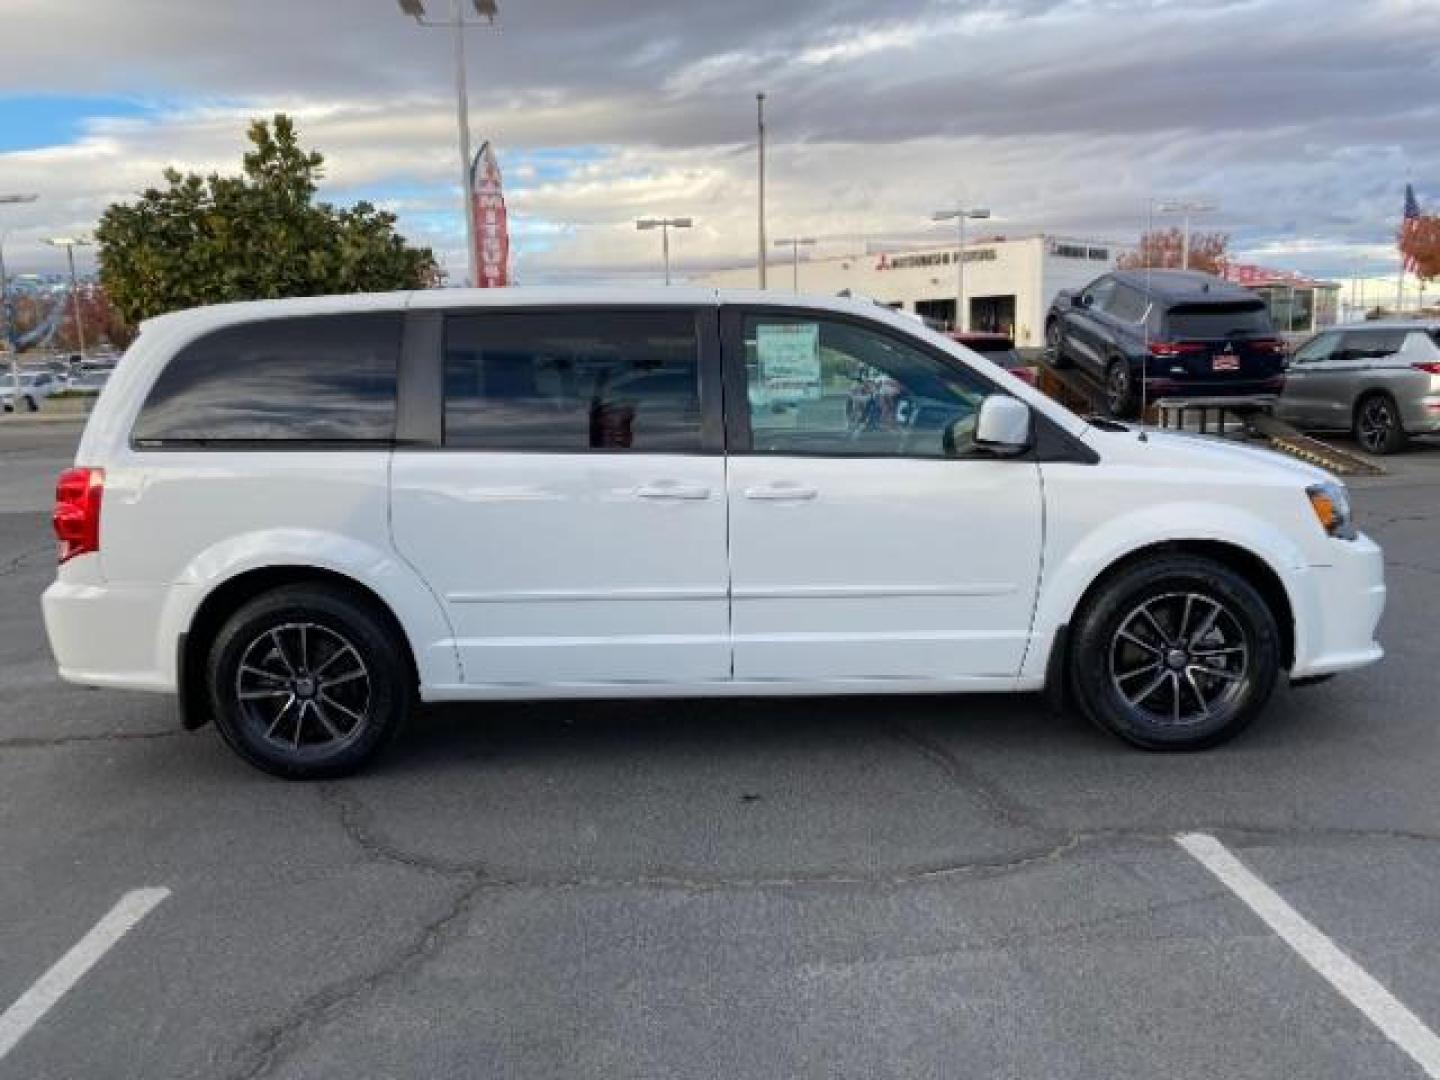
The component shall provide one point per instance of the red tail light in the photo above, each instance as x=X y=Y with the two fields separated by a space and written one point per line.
x=1175 y=348
x=1430 y=367
x=77 y=511
x=1269 y=345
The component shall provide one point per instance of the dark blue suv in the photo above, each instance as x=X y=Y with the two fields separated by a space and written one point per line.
x=1180 y=333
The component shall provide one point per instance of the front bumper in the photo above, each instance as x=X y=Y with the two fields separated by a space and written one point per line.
x=1337 y=610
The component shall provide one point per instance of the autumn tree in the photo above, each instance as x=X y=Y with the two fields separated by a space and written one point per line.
x=259 y=235
x=1421 y=242
x=1161 y=249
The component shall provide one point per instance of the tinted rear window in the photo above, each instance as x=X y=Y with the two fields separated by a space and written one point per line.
x=325 y=378
x=572 y=381
x=1218 y=320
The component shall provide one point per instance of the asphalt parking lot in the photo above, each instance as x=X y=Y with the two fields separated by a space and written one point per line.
x=893 y=887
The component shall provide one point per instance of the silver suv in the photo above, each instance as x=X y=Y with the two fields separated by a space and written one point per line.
x=1380 y=381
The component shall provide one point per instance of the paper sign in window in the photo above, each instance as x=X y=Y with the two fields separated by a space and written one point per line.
x=789 y=356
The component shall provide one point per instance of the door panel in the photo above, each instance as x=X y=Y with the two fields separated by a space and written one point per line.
x=886 y=569
x=570 y=567
x=868 y=538
x=573 y=521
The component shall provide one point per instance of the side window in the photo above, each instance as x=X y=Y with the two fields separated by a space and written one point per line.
x=827 y=387
x=1127 y=304
x=1316 y=349
x=572 y=381
x=1100 y=294
x=319 y=378
x=1373 y=344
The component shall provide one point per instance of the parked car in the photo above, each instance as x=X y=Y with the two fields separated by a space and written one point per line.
x=89 y=382
x=1379 y=381
x=302 y=516
x=27 y=390
x=1177 y=333
x=998 y=349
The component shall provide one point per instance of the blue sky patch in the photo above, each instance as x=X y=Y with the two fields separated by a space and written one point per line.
x=32 y=121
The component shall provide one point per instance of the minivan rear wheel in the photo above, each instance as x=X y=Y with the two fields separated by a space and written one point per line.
x=307 y=682
x=1175 y=653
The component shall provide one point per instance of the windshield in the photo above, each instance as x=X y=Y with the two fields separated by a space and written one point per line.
x=1218 y=320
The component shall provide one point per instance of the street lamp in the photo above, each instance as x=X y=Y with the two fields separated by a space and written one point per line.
x=795 y=243
x=8 y=200
x=70 y=243
x=487 y=10
x=960 y=215
x=1185 y=208
x=664 y=225
x=760 y=210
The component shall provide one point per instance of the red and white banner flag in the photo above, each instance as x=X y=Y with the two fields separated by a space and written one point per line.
x=492 y=232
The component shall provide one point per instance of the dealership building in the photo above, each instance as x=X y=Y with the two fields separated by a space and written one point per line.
x=1009 y=282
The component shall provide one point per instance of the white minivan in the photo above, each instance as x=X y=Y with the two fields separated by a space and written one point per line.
x=301 y=516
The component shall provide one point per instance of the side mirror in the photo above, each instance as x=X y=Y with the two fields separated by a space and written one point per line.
x=1003 y=427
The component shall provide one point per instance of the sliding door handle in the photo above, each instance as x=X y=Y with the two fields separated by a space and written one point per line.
x=782 y=493
x=672 y=490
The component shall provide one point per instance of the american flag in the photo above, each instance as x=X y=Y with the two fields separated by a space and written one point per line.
x=1409 y=220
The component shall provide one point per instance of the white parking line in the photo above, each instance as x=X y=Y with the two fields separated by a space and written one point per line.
x=17 y=1020
x=1356 y=985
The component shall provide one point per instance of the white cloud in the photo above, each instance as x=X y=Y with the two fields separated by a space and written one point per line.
x=1059 y=114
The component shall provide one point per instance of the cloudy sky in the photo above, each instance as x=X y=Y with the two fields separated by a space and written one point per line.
x=1301 y=119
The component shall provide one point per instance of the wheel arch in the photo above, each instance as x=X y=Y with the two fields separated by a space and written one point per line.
x=1250 y=566
x=227 y=597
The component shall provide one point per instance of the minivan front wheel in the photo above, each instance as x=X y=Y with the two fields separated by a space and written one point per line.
x=1176 y=653
x=306 y=683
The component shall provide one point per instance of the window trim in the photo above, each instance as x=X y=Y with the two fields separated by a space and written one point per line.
x=1050 y=443
x=707 y=340
x=279 y=446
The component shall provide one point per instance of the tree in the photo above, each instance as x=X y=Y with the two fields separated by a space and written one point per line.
x=205 y=240
x=1161 y=249
x=1421 y=242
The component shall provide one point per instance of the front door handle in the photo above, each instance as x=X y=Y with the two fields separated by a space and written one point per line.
x=782 y=493
x=672 y=489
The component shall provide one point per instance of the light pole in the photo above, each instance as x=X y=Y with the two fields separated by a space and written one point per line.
x=70 y=243
x=960 y=215
x=1185 y=208
x=795 y=243
x=487 y=10
x=8 y=200
x=664 y=225
x=760 y=128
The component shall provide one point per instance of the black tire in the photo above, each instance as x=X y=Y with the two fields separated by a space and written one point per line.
x=1121 y=401
x=31 y=405
x=1376 y=425
x=1055 y=347
x=307 y=714
x=1209 y=679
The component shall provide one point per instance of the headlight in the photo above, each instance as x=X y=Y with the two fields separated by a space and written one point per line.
x=1331 y=503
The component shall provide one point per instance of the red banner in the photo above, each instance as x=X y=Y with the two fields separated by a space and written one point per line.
x=492 y=232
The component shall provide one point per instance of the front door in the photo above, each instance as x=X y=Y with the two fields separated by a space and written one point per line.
x=572 y=519
x=869 y=539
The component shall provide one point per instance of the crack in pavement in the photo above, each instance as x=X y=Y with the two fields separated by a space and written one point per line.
x=19 y=560
x=272 y=1045
x=46 y=742
x=276 y=1043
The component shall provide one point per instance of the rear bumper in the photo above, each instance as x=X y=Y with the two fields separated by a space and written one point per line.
x=1421 y=416
x=1338 y=607
x=1178 y=386
x=108 y=635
